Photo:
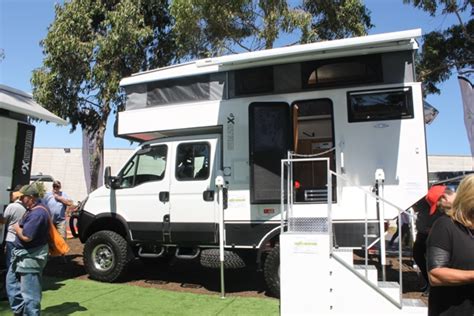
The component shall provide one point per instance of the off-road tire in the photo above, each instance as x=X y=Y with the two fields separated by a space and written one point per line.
x=210 y=259
x=271 y=271
x=106 y=256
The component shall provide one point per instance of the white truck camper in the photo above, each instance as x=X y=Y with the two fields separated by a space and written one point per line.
x=354 y=102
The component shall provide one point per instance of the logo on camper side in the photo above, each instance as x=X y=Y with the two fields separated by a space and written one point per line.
x=25 y=162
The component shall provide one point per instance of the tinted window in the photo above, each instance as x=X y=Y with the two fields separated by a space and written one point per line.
x=342 y=71
x=380 y=105
x=254 y=81
x=192 y=161
x=148 y=164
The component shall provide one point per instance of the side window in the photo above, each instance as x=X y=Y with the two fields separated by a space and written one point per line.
x=378 y=105
x=192 y=161
x=149 y=164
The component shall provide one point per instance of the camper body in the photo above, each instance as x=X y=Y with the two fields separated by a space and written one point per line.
x=16 y=142
x=16 y=149
x=353 y=101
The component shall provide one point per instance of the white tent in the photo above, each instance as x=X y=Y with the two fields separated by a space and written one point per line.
x=17 y=101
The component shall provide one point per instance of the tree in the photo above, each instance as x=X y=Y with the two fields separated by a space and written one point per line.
x=205 y=28
x=89 y=47
x=333 y=19
x=445 y=51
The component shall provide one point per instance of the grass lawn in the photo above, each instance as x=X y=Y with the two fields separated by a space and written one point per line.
x=81 y=297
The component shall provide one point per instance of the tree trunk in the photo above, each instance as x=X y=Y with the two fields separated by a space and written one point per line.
x=98 y=157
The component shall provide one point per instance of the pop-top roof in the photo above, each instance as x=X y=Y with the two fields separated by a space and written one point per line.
x=404 y=40
x=18 y=101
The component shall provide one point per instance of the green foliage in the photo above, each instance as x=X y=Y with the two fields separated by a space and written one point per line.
x=41 y=188
x=90 y=46
x=338 y=19
x=206 y=28
x=445 y=51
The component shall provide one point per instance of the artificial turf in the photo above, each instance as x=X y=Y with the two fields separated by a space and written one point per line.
x=82 y=297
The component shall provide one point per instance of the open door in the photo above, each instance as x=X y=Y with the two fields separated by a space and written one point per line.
x=313 y=125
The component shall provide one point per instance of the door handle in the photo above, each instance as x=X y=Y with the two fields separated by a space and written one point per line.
x=208 y=195
x=164 y=196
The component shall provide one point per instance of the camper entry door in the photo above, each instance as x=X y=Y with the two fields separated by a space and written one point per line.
x=193 y=217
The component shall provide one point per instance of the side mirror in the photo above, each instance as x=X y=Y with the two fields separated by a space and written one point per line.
x=107 y=177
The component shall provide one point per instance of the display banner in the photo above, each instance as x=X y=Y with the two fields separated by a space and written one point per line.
x=467 y=94
x=89 y=146
x=25 y=138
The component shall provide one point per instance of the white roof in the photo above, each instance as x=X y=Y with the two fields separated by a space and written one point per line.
x=18 y=101
x=386 y=42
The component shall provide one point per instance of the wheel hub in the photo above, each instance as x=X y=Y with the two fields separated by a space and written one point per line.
x=103 y=257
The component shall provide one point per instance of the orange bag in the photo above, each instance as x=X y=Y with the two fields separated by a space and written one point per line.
x=56 y=242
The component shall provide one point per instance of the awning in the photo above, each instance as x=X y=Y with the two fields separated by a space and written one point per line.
x=17 y=101
x=430 y=112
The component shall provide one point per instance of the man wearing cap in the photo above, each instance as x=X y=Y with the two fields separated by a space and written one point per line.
x=438 y=199
x=30 y=255
x=13 y=213
x=57 y=202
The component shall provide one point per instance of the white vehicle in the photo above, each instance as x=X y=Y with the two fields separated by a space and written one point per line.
x=353 y=100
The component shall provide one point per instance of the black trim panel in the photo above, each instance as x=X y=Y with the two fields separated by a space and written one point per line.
x=181 y=233
x=84 y=221
x=146 y=231
x=247 y=234
x=194 y=233
x=352 y=234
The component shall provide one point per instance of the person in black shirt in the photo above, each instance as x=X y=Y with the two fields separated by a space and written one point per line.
x=450 y=256
x=437 y=201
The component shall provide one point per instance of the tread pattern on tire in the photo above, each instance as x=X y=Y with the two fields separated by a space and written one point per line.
x=270 y=271
x=119 y=247
x=210 y=259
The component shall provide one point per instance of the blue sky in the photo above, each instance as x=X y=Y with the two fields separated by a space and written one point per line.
x=23 y=23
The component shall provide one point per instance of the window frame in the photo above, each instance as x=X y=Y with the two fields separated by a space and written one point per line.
x=209 y=146
x=241 y=75
x=136 y=162
x=352 y=117
x=370 y=61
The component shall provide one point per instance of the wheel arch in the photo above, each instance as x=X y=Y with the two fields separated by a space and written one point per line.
x=271 y=237
x=107 y=221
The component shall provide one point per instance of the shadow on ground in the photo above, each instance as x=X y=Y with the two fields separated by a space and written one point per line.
x=66 y=308
x=67 y=267
x=190 y=275
x=174 y=275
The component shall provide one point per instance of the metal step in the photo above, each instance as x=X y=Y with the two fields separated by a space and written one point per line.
x=390 y=288
x=413 y=302
x=372 y=273
x=346 y=254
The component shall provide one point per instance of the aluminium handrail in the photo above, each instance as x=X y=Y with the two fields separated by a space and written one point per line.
x=288 y=163
x=373 y=286
x=289 y=189
x=400 y=211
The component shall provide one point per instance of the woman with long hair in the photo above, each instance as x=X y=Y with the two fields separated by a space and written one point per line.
x=450 y=256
